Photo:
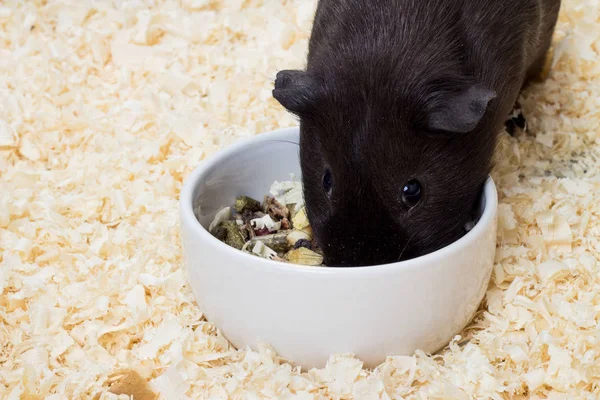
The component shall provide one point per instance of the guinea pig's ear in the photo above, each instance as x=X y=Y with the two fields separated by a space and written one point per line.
x=296 y=90
x=460 y=112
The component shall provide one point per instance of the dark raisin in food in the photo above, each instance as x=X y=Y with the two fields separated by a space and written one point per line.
x=261 y=232
x=303 y=243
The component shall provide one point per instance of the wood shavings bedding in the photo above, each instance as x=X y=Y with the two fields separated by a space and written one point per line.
x=104 y=110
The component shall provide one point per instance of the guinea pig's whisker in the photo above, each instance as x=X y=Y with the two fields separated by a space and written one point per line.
x=406 y=246
x=283 y=141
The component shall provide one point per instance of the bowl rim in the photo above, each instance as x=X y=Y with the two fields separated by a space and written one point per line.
x=186 y=213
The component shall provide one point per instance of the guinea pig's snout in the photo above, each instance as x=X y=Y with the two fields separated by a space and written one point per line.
x=347 y=247
x=365 y=253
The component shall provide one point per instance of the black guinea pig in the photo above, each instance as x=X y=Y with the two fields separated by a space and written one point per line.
x=400 y=108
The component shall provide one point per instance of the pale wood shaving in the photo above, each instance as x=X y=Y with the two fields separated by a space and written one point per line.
x=105 y=107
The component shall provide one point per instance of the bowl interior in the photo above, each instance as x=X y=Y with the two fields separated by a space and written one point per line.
x=249 y=167
x=246 y=168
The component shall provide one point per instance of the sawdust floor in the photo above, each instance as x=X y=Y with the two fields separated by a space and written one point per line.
x=105 y=109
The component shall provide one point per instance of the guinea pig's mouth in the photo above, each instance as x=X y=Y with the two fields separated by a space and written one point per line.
x=362 y=255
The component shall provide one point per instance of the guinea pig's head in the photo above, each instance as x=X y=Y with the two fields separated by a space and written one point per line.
x=392 y=174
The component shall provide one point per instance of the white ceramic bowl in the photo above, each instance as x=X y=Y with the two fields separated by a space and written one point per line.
x=309 y=313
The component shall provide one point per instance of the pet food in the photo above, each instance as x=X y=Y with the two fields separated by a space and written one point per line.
x=276 y=229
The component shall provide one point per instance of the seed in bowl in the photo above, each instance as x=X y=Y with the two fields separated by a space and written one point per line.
x=276 y=229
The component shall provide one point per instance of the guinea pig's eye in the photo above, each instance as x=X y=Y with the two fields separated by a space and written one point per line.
x=327 y=182
x=411 y=193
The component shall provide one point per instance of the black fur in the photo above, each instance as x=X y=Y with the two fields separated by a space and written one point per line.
x=407 y=89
